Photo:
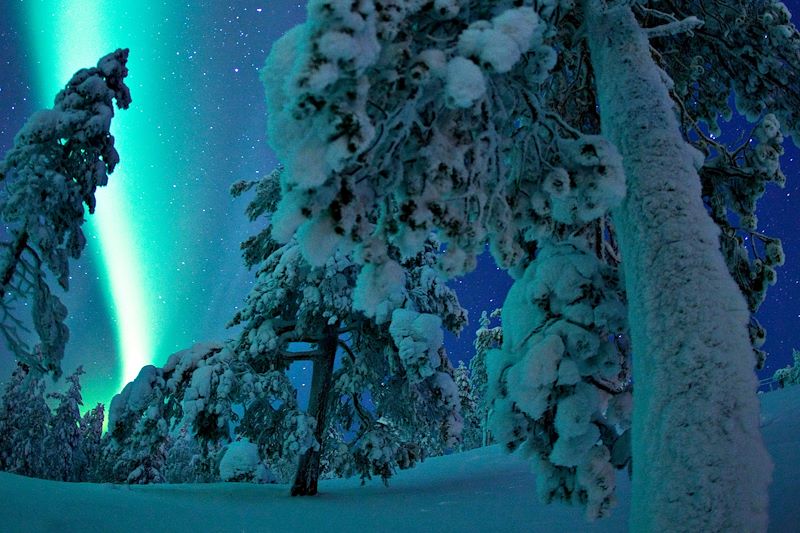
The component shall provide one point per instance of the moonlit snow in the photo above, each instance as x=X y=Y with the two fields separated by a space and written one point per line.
x=481 y=490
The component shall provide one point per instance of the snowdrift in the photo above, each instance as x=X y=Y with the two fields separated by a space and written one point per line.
x=480 y=490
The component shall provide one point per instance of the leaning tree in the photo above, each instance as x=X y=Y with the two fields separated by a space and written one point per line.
x=59 y=158
x=570 y=133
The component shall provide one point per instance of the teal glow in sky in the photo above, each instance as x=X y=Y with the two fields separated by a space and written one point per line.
x=63 y=38
x=162 y=269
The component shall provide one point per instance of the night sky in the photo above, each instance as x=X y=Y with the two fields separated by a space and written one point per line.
x=163 y=269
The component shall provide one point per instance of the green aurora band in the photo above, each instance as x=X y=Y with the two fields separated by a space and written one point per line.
x=66 y=36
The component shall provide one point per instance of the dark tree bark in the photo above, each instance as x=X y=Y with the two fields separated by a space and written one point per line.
x=308 y=468
x=19 y=247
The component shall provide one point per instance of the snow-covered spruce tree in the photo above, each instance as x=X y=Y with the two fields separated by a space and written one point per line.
x=472 y=434
x=59 y=158
x=486 y=338
x=25 y=423
x=380 y=374
x=454 y=116
x=8 y=405
x=790 y=375
x=91 y=430
x=191 y=391
x=63 y=440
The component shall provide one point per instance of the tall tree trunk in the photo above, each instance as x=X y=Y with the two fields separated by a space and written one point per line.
x=698 y=457
x=308 y=468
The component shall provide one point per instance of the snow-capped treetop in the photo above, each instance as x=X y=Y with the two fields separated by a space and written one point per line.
x=59 y=158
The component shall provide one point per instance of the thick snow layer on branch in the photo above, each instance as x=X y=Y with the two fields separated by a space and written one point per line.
x=418 y=337
x=499 y=44
x=543 y=380
x=380 y=289
x=135 y=396
x=465 y=82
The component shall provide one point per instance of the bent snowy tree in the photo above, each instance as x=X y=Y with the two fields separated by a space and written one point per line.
x=382 y=393
x=60 y=157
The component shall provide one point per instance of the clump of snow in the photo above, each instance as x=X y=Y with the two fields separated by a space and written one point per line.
x=241 y=463
x=380 y=289
x=300 y=435
x=499 y=44
x=418 y=337
x=590 y=183
x=446 y=9
x=135 y=395
x=496 y=50
x=465 y=82
x=318 y=240
x=520 y=24
x=435 y=61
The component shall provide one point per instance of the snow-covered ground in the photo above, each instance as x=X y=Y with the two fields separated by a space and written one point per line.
x=481 y=490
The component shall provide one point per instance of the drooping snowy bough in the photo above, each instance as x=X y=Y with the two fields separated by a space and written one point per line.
x=482 y=122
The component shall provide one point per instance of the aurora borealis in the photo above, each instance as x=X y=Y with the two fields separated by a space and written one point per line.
x=162 y=269
x=112 y=226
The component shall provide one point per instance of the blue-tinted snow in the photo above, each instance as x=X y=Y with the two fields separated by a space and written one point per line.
x=481 y=490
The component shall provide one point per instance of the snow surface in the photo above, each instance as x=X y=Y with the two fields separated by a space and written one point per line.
x=480 y=490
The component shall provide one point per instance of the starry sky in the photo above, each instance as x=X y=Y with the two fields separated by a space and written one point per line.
x=163 y=269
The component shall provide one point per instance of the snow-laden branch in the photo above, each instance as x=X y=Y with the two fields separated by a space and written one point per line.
x=687 y=25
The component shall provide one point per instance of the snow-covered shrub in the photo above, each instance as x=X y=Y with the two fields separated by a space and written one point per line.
x=790 y=375
x=377 y=451
x=242 y=464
